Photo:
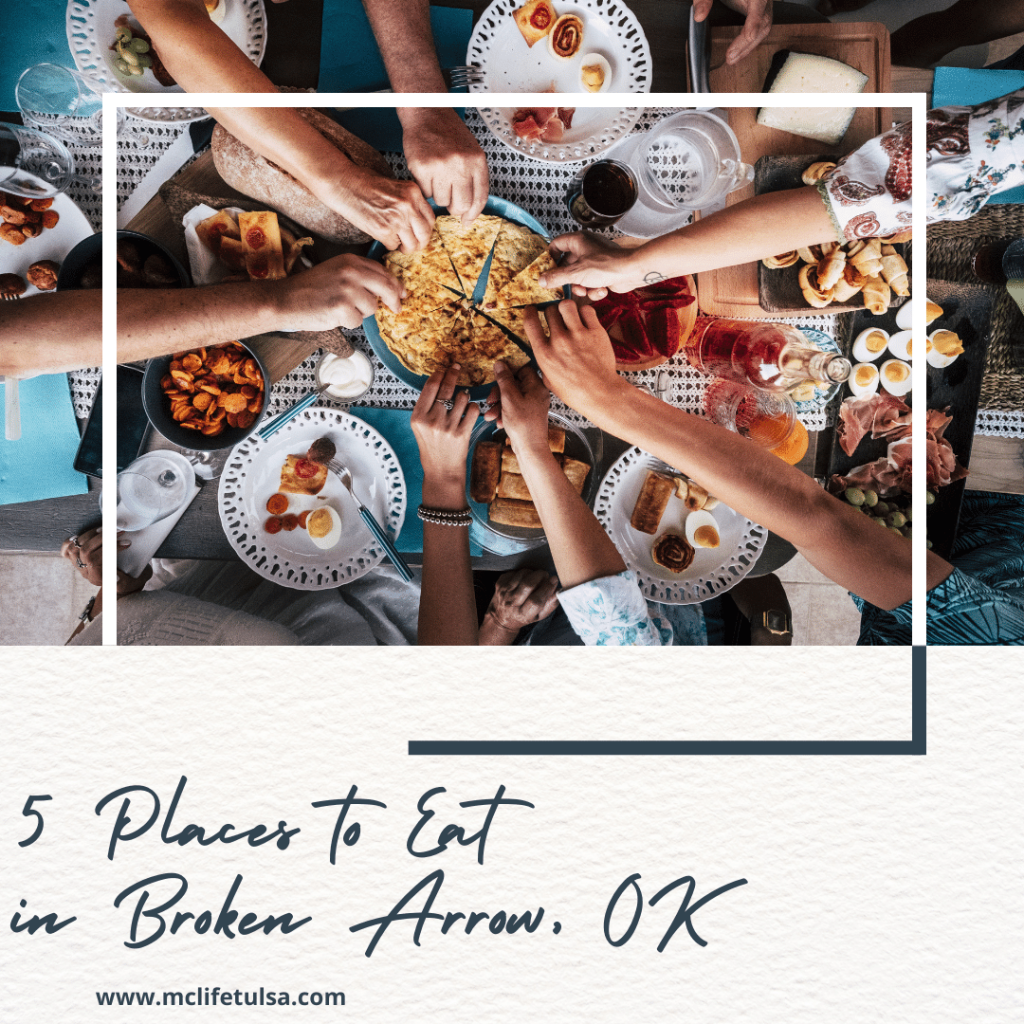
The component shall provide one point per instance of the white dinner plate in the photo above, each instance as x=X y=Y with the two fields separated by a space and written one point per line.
x=712 y=571
x=609 y=28
x=53 y=244
x=253 y=473
x=90 y=31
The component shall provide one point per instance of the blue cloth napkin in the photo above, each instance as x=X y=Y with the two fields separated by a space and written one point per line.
x=394 y=425
x=39 y=465
x=33 y=32
x=968 y=86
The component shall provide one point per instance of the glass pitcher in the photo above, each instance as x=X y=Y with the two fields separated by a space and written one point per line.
x=690 y=161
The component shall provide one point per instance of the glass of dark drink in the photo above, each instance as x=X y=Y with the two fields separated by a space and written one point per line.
x=601 y=193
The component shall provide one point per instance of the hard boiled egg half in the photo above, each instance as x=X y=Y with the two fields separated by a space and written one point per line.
x=900 y=345
x=595 y=73
x=945 y=347
x=895 y=376
x=701 y=530
x=869 y=345
x=324 y=527
x=863 y=380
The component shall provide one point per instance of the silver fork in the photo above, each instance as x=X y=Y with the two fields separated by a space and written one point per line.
x=378 y=531
x=10 y=298
x=463 y=76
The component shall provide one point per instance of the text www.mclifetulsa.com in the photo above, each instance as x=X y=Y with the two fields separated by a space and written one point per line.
x=220 y=997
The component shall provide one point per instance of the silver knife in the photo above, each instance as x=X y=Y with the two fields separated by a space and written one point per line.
x=12 y=409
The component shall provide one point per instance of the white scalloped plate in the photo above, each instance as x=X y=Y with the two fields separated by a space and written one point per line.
x=609 y=28
x=711 y=572
x=252 y=475
x=90 y=32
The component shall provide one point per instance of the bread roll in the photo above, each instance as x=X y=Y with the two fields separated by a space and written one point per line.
x=510 y=512
x=577 y=473
x=651 y=503
x=512 y=485
x=484 y=472
x=255 y=176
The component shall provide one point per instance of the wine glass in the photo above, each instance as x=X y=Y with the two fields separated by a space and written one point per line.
x=32 y=164
x=151 y=489
x=63 y=103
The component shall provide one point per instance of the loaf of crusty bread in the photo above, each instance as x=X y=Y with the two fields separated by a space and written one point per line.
x=484 y=472
x=255 y=176
x=651 y=502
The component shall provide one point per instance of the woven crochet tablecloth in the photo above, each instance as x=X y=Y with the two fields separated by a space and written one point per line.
x=537 y=187
x=87 y=164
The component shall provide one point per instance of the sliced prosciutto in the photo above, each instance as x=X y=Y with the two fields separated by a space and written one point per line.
x=544 y=124
x=881 y=415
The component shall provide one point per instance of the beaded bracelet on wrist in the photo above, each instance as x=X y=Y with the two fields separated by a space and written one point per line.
x=444 y=517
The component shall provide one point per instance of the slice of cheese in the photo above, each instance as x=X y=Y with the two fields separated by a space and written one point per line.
x=808 y=73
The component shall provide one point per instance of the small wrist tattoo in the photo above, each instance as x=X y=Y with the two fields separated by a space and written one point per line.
x=653 y=277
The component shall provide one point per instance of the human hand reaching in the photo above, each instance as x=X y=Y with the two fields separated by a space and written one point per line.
x=445 y=160
x=594 y=266
x=756 y=27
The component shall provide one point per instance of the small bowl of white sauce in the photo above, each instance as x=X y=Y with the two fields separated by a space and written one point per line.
x=346 y=378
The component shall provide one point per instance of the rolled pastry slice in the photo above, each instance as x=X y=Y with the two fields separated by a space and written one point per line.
x=853 y=277
x=932 y=311
x=877 y=295
x=813 y=293
x=830 y=269
x=894 y=271
x=817 y=171
x=784 y=259
x=673 y=552
x=866 y=256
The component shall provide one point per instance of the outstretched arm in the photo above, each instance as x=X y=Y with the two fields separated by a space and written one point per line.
x=443 y=156
x=447 y=602
x=581 y=549
x=339 y=292
x=51 y=333
x=763 y=226
x=579 y=366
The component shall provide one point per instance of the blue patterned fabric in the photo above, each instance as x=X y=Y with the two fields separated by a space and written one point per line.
x=982 y=601
x=611 y=612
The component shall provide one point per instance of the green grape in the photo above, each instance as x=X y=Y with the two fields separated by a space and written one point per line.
x=139 y=45
x=122 y=35
x=882 y=508
x=122 y=67
x=129 y=58
x=136 y=71
x=928 y=544
x=894 y=530
x=145 y=61
x=909 y=513
x=929 y=497
x=855 y=496
x=896 y=519
x=870 y=498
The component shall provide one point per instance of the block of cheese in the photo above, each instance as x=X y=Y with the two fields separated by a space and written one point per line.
x=809 y=73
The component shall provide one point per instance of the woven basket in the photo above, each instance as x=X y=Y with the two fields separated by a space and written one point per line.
x=950 y=248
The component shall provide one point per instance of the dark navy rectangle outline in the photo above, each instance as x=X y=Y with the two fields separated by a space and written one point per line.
x=915 y=745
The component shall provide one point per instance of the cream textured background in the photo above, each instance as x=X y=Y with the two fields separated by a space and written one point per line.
x=879 y=888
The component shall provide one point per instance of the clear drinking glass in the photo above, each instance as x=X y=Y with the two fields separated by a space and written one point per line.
x=33 y=164
x=767 y=417
x=151 y=489
x=61 y=102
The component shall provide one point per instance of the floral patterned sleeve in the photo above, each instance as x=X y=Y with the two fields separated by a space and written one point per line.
x=973 y=153
x=611 y=611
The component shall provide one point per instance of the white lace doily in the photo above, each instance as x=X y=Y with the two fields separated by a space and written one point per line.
x=90 y=30
x=712 y=572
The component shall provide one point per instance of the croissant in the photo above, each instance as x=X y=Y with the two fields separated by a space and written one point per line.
x=877 y=295
x=866 y=256
x=813 y=293
x=817 y=171
x=785 y=259
x=844 y=290
x=830 y=269
x=894 y=271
